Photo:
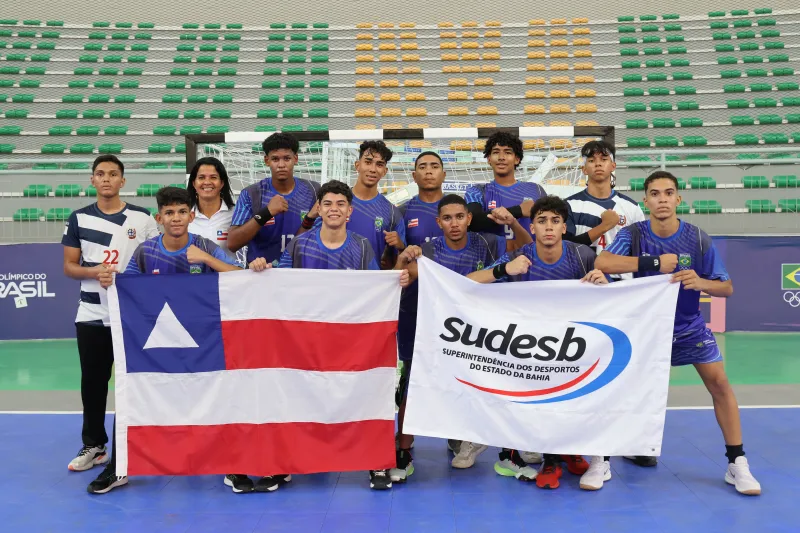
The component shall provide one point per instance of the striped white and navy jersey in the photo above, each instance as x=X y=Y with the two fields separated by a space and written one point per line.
x=109 y=239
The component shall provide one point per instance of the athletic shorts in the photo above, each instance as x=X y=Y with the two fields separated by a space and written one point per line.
x=406 y=331
x=695 y=348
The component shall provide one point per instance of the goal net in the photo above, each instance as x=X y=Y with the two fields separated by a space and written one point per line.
x=552 y=156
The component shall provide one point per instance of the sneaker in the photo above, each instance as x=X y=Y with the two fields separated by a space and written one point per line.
x=548 y=476
x=380 y=480
x=511 y=464
x=272 y=483
x=453 y=445
x=106 y=481
x=739 y=475
x=599 y=472
x=467 y=453
x=404 y=467
x=576 y=464
x=88 y=457
x=532 y=458
x=642 y=460
x=239 y=483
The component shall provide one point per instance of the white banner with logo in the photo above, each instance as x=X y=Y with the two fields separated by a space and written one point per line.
x=556 y=367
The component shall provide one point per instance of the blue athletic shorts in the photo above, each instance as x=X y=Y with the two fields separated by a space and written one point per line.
x=695 y=348
x=406 y=331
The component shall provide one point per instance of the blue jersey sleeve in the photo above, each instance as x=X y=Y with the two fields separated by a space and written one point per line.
x=473 y=195
x=243 y=211
x=133 y=264
x=621 y=245
x=286 y=259
x=318 y=222
x=70 y=237
x=713 y=267
x=399 y=225
x=220 y=254
x=505 y=258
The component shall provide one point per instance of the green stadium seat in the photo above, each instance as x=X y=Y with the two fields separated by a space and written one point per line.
x=45 y=166
x=737 y=104
x=223 y=98
x=191 y=130
x=218 y=129
x=17 y=113
x=745 y=138
x=695 y=140
x=318 y=127
x=110 y=148
x=180 y=148
x=116 y=130
x=292 y=113
x=756 y=72
x=665 y=141
x=663 y=123
x=793 y=118
x=660 y=106
x=194 y=99
x=202 y=84
x=10 y=130
x=7 y=148
x=770 y=119
x=28 y=214
x=267 y=113
x=691 y=122
x=706 y=207
x=77 y=166
x=785 y=101
x=702 y=182
x=742 y=120
x=635 y=107
x=656 y=76
x=658 y=91
x=120 y=113
x=734 y=88
x=755 y=182
x=81 y=148
x=87 y=130
x=60 y=130
x=68 y=190
x=193 y=114
x=170 y=114
x=159 y=148
x=53 y=148
x=789 y=205
x=165 y=130
x=765 y=102
x=37 y=189
x=785 y=181
x=760 y=206
x=683 y=208
x=636 y=184
x=775 y=138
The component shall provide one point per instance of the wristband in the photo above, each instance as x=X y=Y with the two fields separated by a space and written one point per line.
x=308 y=222
x=649 y=263
x=499 y=271
x=263 y=216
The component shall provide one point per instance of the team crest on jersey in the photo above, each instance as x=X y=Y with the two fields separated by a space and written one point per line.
x=156 y=271
x=270 y=222
x=303 y=214
x=479 y=265
x=622 y=220
x=378 y=223
x=195 y=269
x=684 y=260
x=413 y=223
x=131 y=233
x=493 y=204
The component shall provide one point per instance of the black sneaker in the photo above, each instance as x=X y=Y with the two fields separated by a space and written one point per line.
x=272 y=483
x=642 y=460
x=239 y=483
x=379 y=480
x=107 y=481
x=404 y=467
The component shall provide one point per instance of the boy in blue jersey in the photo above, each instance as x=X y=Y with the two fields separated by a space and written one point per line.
x=503 y=152
x=420 y=213
x=659 y=246
x=332 y=246
x=461 y=251
x=269 y=214
x=548 y=258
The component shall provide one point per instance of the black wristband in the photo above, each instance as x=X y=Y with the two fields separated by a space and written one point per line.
x=516 y=211
x=649 y=263
x=499 y=271
x=308 y=222
x=263 y=216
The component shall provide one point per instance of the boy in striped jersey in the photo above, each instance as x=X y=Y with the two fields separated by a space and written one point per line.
x=97 y=240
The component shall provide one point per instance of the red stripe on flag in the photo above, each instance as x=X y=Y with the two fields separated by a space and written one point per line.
x=260 y=449
x=319 y=346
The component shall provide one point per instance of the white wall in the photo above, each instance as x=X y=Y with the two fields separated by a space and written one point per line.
x=258 y=13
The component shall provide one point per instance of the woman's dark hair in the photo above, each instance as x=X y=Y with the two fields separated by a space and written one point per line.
x=503 y=138
x=550 y=203
x=660 y=175
x=451 y=199
x=171 y=196
x=225 y=193
x=335 y=187
x=376 y=147
x=280 y=140
x=108 y=158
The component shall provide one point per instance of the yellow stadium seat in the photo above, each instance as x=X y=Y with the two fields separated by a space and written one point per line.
x=536 y=66
x=413 y=83
x=560 y=123
x=536 y=43
x=538 y=54
x=390 y=97
x=560 y=108
x=581 y=31
x=387 y=57
x=449 y=57
x=470 y=44
x=559 y=54
x=558 y=21
x=484 y=81
x=560 y=144
x=365 y=97
x=470 y=57
x=392 y=126
x=583 y=66
x=364 y=46
x=364 y=36
x=419 y=125
x=486 y=124
x=409 y=46
x=388 y=70
x=408 y=35
x=581 y=42
x=445 y=25
x=390 y=83
x=420 y=144
x=534 y=94
x=391 y=112
x=469 y=24
x=586 y=108
x=559 y=79
x=365 y=83
x=483 y=95
x=451 y=69
x=387 y=46
x=365 y=112
x=411 y=70
x=470 y=69
x=408 y=24
x=364 y=25
x=386 y=35
x=415 y=97
x=537 y=22
x=470 y=35
x=366 y=127
x=560 y=94
x=587 y=123
x=487 y=110
x=491 y=56
x=534 y=109
x=583 y=53
x=448 y=45
x=416 y=112
x=457 y=82
x=386 y=25
x=584 y=79
x=365 y=70
x=491 y=44
x=490 y=68
x=492 y=33
x=559 y=42
x=461 y=144
x=409 y=57
x=480 y=144
x=493 y=23
x=460 y=125
x=533 y=144
x=534 y=80
x=585 y=93
x=457 y=111
x=559 y=66
x=533 y=124
x=558 y=31
x=457 y=96
x=580 y=20
x=448 y=35
x=536 y=33
x=365 y=57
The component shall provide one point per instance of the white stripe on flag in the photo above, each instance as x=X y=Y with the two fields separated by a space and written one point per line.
x=259 y=396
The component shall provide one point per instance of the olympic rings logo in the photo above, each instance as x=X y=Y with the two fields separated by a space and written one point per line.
x=791 y=298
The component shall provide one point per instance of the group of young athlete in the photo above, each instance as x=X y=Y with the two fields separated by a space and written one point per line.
x=502 y=231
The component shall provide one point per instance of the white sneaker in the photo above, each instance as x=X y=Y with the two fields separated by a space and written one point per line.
x=599 y=472
x=467 y=453
x=532 y=458
x=87 y=457
x=739 y=475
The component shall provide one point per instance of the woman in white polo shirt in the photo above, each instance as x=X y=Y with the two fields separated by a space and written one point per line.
x=210 y=191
